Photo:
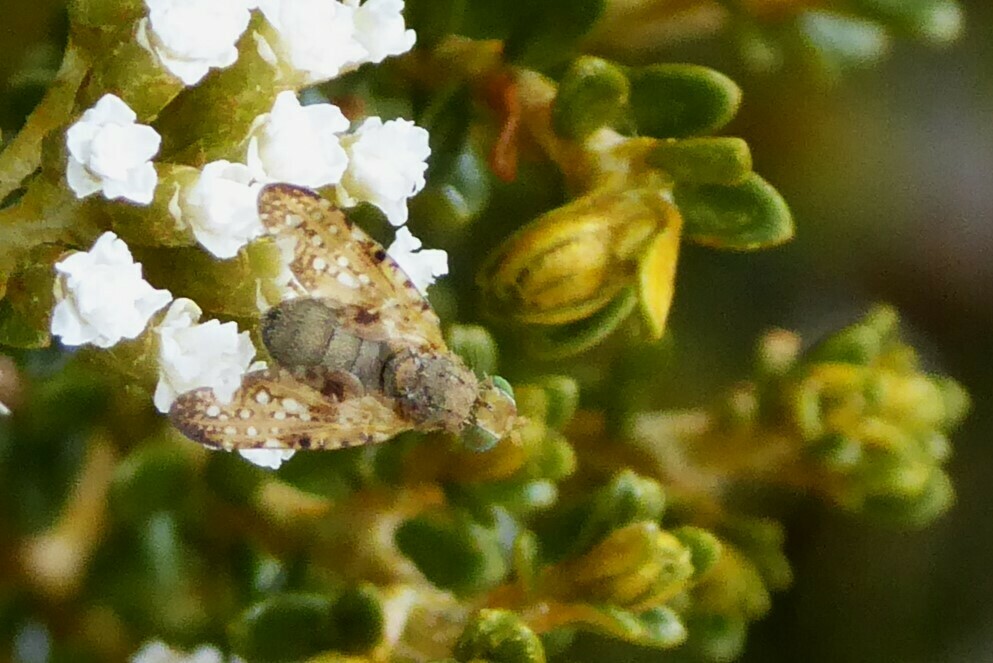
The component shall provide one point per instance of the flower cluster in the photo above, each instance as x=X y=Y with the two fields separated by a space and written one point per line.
x=101 y=296
x=159 y=652
x=299 y=33
x=111 y=153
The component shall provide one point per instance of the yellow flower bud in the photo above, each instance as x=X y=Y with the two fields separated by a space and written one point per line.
x=569 y=263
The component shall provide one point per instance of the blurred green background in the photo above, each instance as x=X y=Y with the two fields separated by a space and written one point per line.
x=890 y=177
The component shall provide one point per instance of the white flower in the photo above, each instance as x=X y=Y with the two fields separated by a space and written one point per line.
x=380 y=28
x=110 y=152
x=298 y=144
x=270 y=458
x=221 y=208
x=4 y=410
x=159 y=652
x=386 y=164
x=315 y=37
x=423 y=266
x=191 y=36
x=193 y=355
x=101 y=296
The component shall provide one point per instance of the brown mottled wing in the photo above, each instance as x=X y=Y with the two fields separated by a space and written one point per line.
x=273 y=410
x=334 y=259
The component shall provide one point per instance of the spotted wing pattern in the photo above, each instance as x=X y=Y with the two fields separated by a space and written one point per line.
x=335 y=260
x=274 y=410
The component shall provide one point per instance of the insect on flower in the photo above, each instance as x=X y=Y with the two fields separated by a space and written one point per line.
x=359 y=352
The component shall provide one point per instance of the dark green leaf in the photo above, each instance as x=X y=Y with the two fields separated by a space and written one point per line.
x=747 y=216
x=677 y=100
x=703 y=160
x=592 y=94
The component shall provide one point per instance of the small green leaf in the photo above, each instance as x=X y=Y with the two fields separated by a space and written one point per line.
x=562 y=399
x=747 y=216
x=357 y=620
x=454 y=554
x=676 y=100
x=858 y=344
x=917 y=510
x=454 y=196
x=703 y=160
x=659 y=627
x=498 y=636
x=716 y=637
x=576 y=337
x=475 y=346
x=592 y=94
x=287 y=627
x=705 y=548
x=628 y=498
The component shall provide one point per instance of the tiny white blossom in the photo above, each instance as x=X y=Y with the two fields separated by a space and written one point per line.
x=101 y=296
x=314 y=37
x=194 y=355
x=380 y=28
x=159 y=652
x=298 y=144
x=221 y=208
x=386 y=164
x=4 y=410
x=191 y=36
x=270 y=458
x=423 y=266
x=110 y=152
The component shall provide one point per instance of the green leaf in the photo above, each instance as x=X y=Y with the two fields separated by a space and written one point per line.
x=357 y=620
x=716 y=637
x=659 y=627
x=576 y=337
x=677 y=100
x=453 y=553
x=475 y=345
x=562 y=399
x=498 y=636
x=592 y=94
x=287 y=627
x=458 y=190
x=628 y=498
x=747 y=216
x=703 y=160
x=705 y=548
x=914 y=510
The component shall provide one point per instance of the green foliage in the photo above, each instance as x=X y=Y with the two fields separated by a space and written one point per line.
x=677 y=100
x=565 y=175
x=743 y=216
x=498 y=636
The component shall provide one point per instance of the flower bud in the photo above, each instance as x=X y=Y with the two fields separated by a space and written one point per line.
x=498 y=636
x=571 y=262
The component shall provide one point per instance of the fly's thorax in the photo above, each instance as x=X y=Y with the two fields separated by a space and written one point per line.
x=433 y=390
x=296 y=332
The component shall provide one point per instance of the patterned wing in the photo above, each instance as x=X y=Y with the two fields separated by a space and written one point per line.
x=273 y=410
x=334 y=259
